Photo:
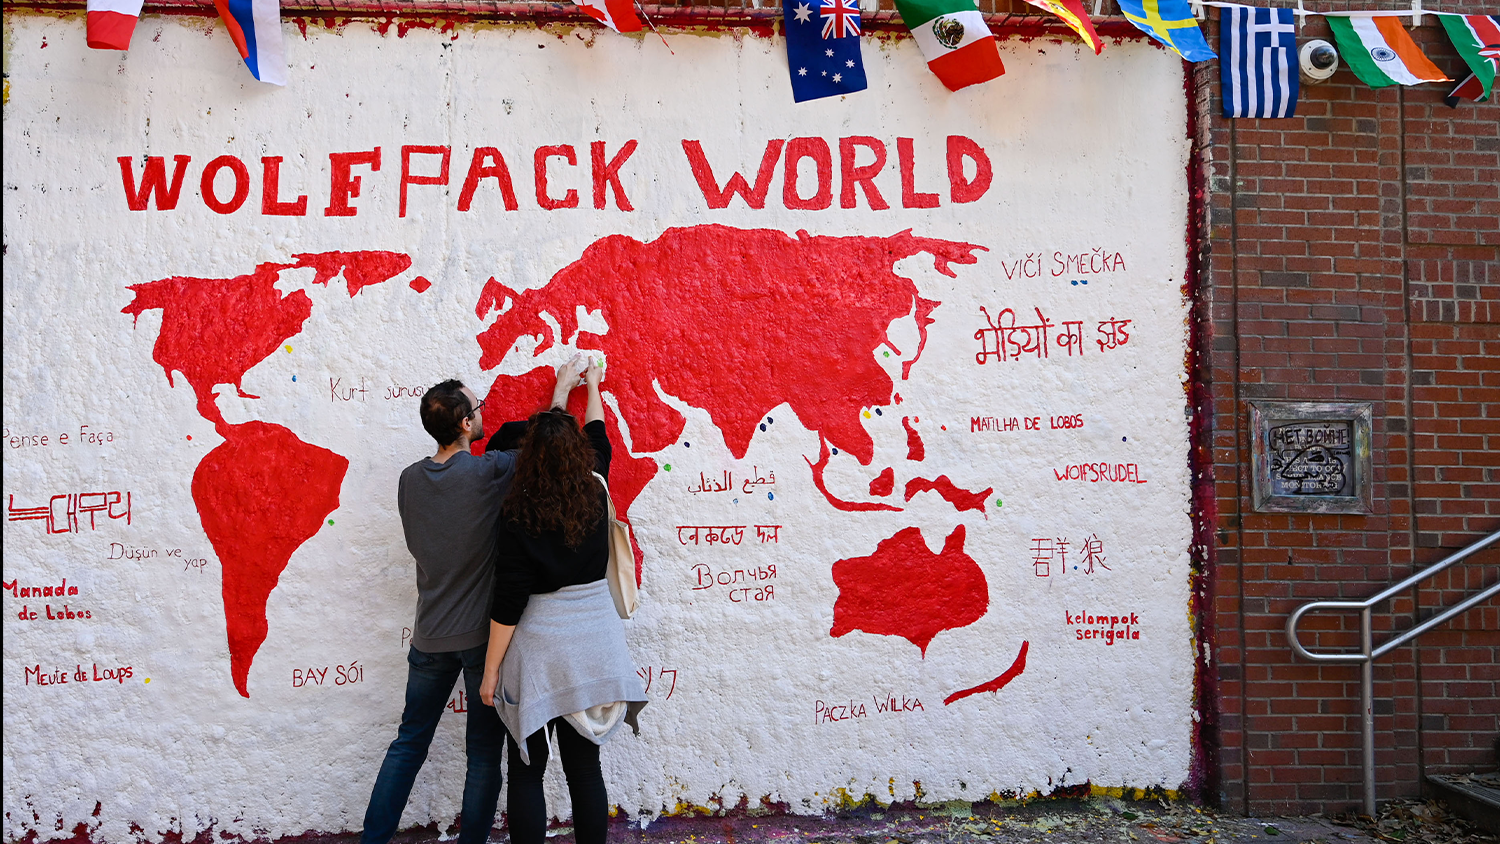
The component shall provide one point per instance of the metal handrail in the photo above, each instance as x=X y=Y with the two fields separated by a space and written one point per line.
x=1368 y=653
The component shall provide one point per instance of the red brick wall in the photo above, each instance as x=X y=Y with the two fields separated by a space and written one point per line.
x=1352 y=253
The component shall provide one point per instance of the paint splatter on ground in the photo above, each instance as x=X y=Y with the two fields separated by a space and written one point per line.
x=1059 y=821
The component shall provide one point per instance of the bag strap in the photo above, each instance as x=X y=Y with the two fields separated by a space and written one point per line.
x=607 y=496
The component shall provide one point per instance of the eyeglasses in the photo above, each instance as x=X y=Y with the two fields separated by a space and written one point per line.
x=477 y=408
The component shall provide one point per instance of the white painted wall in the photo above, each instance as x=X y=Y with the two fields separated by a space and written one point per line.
x=1089 y=154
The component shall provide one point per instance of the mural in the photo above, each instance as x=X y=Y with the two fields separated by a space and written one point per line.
x=894 y=383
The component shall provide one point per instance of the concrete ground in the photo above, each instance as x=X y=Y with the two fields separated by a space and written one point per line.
x=1063 y=821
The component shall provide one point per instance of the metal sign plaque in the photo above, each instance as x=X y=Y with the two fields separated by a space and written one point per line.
x=1311 y=457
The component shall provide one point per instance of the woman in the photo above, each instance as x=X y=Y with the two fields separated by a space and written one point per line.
x=557 y=655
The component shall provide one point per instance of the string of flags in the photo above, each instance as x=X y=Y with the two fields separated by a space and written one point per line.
x=1259 y=66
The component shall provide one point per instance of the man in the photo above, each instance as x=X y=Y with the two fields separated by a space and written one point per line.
x=448 y=503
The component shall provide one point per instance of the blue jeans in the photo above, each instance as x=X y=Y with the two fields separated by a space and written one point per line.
x=429 y=682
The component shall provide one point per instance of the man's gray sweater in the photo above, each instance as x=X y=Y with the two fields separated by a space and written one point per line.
x=448 y=511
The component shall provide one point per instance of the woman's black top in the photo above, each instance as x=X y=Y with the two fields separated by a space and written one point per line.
x=532 y=565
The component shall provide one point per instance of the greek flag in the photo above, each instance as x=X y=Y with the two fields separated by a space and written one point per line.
x=1258 y=62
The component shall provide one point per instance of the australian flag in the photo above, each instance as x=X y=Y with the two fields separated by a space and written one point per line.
x=1258 y=62
x=822 y=48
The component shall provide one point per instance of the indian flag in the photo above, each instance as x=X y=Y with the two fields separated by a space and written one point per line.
x=1380 y=52
x=954 y=39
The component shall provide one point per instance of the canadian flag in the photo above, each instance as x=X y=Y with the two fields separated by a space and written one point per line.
x=111 y=23
x=618 y=15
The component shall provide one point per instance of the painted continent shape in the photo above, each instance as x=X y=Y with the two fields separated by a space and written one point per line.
x=260 y=495
x=734 y=321
x=903 y=589
x=262 y=492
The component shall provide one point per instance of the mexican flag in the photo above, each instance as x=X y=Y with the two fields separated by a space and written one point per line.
x=1477 y=39
x=954 y=39
x=1380 y=52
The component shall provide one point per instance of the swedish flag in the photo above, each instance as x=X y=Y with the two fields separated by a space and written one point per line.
x=1172 y=23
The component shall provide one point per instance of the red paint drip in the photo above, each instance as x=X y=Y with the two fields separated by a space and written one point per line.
x=915 y=450
x=836 y=502
x=360 y=269
x=260 y=495
x=905 y=590
x=420 y=284
x=885 y=484
x=998 y=683
x=775 y=310
x=521 y=395
x=961 y=499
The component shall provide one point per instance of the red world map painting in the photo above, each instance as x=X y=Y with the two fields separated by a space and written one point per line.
x=796 y=320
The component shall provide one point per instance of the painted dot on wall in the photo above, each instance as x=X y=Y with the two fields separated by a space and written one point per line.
x=878 y=413
x=887 y=354
x=770 y=421
x=288 y=349
x=944 y=427
x=762 y=426
x=148 y=680
x=687 y=445
x=771 y=496
x=330 y=521
x=867 y=414
x=1122 y=439
x=190 y=437
x=835 y=451
x=667 y=466
x=999 y=503
x=420 y=284
x=294 y=378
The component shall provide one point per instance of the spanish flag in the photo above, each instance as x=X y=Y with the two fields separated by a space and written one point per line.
x=1072 y=13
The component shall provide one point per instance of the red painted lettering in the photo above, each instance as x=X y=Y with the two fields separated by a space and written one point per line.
x=960 y=188
x=910 y=196
x=487 y=163
x=716 y=198
x=816 y=149
x=608 y=174
x=342 y=184
x=153 y=182
x=241 y=184
x=270 y=191
x=539 y=163
x=864 y=175
x=407 y=178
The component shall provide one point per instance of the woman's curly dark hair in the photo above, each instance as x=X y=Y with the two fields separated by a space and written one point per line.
x=554 y=487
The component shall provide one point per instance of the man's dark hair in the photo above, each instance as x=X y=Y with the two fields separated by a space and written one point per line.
x=444 y=408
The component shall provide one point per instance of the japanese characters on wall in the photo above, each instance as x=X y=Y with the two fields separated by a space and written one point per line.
x=894 y=380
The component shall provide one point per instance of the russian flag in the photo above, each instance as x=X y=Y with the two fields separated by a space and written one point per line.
x=255 y=26
x=111 y=23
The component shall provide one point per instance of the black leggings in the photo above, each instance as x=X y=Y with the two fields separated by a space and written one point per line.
x=526 y=804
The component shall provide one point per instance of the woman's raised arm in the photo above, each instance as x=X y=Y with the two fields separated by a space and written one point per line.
x=592 y=376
